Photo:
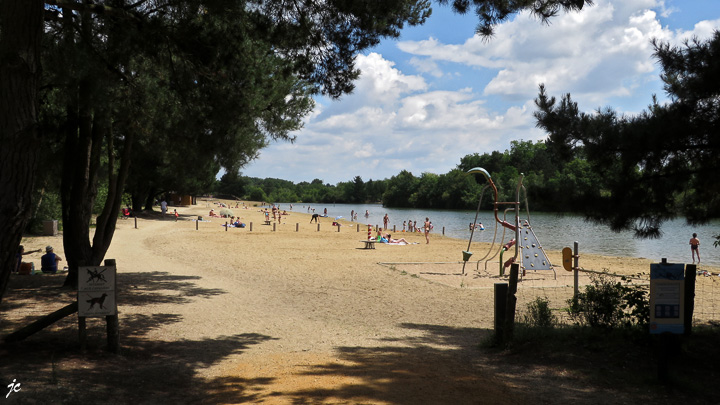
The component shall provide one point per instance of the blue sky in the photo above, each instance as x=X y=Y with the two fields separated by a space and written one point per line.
x=438 y=93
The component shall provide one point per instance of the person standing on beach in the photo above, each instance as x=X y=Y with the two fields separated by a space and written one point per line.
x=426 y=229
x=386 y=219
x=352 y=215
x=695 y=247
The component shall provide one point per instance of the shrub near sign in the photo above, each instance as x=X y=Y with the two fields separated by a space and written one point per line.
x=96 y=291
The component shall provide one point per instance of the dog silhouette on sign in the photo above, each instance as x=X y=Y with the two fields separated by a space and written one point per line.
x=96 y=275
x=97 y=300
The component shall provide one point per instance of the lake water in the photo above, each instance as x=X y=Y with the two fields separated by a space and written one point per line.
x=553 y=231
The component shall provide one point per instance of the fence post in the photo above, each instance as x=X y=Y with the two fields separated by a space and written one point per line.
x=338 y=227
x=394 y=229
x=250 y=226
x=197 y=221
x=689 y=304
x=358 y=227
x=576 y=270
x=113 y=323
x=511 y=302
x=135 y=222
x=274 y=226
x=318 y=227
x=297 y=226
x=501 y=290
x=226 y=226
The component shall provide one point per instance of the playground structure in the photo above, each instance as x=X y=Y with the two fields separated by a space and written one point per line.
x=528 y=251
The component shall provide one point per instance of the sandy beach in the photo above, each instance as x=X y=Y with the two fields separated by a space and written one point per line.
x=286 y=313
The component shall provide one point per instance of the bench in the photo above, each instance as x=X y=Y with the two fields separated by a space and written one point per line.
x=369 y=244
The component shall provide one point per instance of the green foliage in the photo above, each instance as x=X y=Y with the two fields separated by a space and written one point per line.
x=539 y=315
x=256 y=193
x=493 y=12
x=610 y=304
x=657 y=165
x=48 y=208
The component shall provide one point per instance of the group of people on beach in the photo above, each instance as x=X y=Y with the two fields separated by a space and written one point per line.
x=48 y=262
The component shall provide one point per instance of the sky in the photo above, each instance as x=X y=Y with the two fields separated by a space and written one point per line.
x=439 y=92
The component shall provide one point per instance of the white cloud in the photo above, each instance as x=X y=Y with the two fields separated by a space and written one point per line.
x=396 y=120
x=426 y=65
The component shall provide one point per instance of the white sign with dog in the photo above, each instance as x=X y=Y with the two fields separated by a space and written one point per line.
x=96 y=291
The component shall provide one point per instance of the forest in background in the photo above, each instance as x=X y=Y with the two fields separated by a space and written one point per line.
x=551 y=184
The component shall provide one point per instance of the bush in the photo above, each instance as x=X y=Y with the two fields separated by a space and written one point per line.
x=609 y=304
x=539 y=314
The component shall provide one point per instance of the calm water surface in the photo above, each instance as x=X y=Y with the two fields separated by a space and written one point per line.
x=553 y=231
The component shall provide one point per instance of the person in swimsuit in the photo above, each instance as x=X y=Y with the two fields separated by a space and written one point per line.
x=426 y=228
x=695 y=247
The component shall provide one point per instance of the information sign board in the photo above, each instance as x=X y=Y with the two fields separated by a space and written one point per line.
x=667 y=294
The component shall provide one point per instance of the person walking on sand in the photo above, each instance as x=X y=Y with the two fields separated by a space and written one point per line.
x=426 y=228
x=695 y=247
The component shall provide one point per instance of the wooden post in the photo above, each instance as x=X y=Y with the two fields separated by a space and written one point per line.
x=576 y=269
x=394 y=229
x=443 y=231
x=226 y=226
x=338 y=227
x=689 y=304
x=197 y=221
x=113 y=322
x=358 y=227
x=501 y=290
x=135 y=222
x=511 y=302
x=250 y=226
x=318 y=227
x=82 y=332
x=274 y=224
x=297 y=226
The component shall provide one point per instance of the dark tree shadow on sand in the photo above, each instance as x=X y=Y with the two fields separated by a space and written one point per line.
x=51 y=368
x=446 y=365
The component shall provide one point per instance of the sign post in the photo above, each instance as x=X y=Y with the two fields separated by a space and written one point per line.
x=667 y=291
x=96 y=297
x=667 y=314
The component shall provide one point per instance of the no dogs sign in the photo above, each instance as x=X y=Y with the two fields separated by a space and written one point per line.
x=96 y=291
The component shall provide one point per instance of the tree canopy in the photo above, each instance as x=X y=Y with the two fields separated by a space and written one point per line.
x=168 y=85
x=659 y=164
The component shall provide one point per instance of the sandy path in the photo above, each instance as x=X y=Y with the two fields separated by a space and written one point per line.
x=310 y=317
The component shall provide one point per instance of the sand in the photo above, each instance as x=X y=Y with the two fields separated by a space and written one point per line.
x=279 y=315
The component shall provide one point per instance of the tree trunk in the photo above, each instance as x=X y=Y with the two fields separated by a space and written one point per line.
x=83 y=158
x=150 y=200
x=21 y=23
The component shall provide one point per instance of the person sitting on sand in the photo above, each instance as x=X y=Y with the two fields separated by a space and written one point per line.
x=49 y=261
x=21 y=252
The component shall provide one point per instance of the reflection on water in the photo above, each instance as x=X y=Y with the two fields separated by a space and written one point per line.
x=554 y=231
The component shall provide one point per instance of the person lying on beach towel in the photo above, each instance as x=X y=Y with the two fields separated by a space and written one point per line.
x=391 y=241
